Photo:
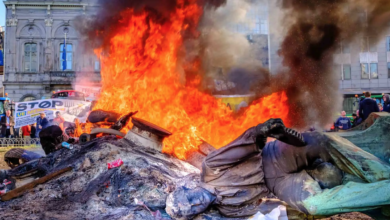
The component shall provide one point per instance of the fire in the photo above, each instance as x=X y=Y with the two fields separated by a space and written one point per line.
x=142 y=73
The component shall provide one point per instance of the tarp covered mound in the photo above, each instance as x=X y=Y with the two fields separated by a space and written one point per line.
x=375 y=139
x=369 y=121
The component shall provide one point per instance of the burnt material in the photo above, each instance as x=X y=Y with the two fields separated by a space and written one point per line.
x=122 y=121
x=19 y=191
x=152 y=128
x=103 y=116
x=147 y=134
x=91 y=191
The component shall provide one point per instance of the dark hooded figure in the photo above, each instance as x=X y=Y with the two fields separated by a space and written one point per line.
x=367 y=106
x=386 y=104
x=305 y=171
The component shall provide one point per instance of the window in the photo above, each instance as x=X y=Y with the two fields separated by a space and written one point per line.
x=29 y=98
x=69 y=56
x=388 y=44
x=374 y=71
x=365 y=71
x=369 y=71
x=345 y=48
x=30 y=57
x=337 y=70
x=97 y=66
x=346 y=72
x=372 y=45
x=368 y=45
x=263 y=27
x=388 y=70
x=364 y=45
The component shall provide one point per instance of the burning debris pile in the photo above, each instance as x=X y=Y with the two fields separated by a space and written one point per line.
x=147 y=67
x=92 y=191
x=110 y=177
x=106 y=177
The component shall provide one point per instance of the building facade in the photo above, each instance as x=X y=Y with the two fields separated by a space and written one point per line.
x=363 y=65
x=34 y=48
x=256 y=29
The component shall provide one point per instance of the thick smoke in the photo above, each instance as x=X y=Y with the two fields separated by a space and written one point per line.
x=98 y=30
x=226 y=54
x=311 y=32
x=315 y=29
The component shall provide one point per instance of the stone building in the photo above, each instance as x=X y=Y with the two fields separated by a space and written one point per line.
x=34 y=43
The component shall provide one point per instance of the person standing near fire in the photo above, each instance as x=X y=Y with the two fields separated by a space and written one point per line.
x=343 y=122
x=42 y=123
x=7 y=125
x=26 y=131
x=33 y=131
x=59 y=120
x=386 y=103
x=367 y=106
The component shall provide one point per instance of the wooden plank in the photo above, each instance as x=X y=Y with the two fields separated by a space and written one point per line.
x=19 y=191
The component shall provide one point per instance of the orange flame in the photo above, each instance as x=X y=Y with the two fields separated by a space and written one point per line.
x=141 y=73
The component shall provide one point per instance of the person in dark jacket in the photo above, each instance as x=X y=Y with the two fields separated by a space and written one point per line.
x=343 y=123
x=354 y=116
x=386 y=104
x=359 y=119
x=33 y=131
x=42 y=123
x=7 y=125
x=367 y=106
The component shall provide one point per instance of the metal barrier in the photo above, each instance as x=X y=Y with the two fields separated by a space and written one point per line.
x=20 y=142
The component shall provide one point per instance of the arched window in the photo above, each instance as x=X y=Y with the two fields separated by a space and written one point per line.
x=30 y=57
x=28 y=98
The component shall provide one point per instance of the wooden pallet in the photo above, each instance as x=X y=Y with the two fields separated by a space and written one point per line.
x=21 y=190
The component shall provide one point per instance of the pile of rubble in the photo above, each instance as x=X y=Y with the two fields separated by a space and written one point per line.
x=91 y=190
x=81 y=182
x=77 y=183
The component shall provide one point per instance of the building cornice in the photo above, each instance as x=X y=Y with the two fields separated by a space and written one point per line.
x=46 y=5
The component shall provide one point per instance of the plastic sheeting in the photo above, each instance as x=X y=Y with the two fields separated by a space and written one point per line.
x=279 y=213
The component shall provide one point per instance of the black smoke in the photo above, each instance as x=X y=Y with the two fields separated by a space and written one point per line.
x=315 y=30
x=99 y=29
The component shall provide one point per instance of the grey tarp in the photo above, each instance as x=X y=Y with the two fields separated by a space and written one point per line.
x=235 y=175
x=286 y=177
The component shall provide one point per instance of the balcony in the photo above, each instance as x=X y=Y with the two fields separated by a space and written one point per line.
x=67 y=77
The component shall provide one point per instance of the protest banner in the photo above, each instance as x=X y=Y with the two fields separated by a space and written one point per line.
x=27 y=112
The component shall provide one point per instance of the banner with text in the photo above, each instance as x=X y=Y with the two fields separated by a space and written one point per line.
x=27 y=112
